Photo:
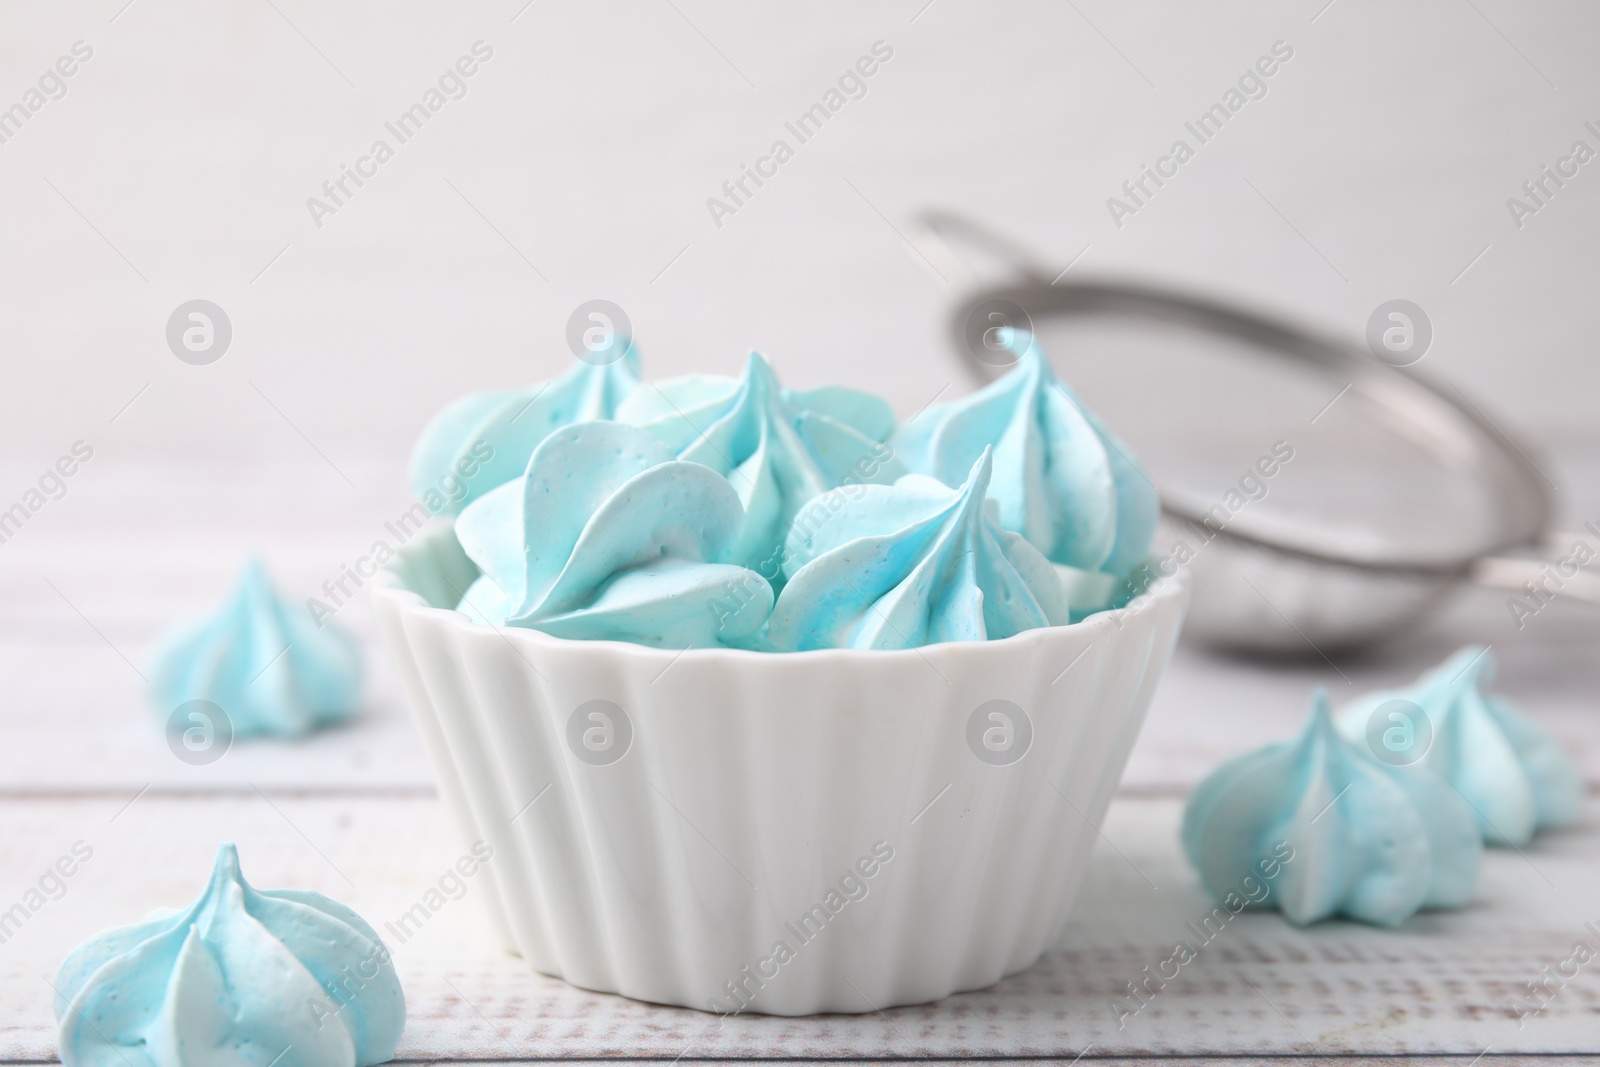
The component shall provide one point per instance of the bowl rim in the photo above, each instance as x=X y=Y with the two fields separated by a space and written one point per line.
x=1167 y=594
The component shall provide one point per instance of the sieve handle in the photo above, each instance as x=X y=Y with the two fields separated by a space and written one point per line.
x=1554 y=572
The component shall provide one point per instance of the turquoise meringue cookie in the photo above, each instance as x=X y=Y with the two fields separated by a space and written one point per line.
x=484 y=439
x=1061 y=479
x=241 y=976
x=1366 y=840
x=915 y=563
x=778 y=447
x=268 y=664
x=608 y=537
x=1514 y=775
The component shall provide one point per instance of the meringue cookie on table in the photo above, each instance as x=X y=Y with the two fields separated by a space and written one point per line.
x=1514 y=775
x=268 y=664
x=1060 y=478
x=240 y=976
x=483 y=440
x=608 y=537
x=778 y=447
x=1368 y=841
x=915 y=563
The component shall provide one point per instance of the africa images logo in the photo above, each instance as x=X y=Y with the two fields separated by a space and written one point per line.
x=851 y=85
x=1252 y=85
x=451 y=85
x=999 y=732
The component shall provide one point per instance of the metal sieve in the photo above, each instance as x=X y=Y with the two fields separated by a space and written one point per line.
x=1319 y=497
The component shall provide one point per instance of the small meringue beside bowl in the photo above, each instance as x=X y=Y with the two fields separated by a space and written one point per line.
x=271 y=666
x=1368 y=841
x=1515 y=776
x=242 y=975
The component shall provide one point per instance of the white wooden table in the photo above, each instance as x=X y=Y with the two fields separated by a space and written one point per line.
x=88 y=584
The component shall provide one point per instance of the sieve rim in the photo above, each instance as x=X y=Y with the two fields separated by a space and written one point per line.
x=1522 y=506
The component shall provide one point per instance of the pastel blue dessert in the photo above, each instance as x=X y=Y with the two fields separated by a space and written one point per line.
x=484 y=439
x=604 y=533
x=915 y=563
x=608 y=537
x=1368 y=840
x=777 y=447
x=238 y=977
x=263 y=660
x=1514 y=775
x=1060 y=478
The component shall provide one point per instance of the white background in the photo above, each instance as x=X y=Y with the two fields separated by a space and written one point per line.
x=594 y=136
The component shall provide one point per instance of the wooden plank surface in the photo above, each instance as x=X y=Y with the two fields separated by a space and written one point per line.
x=1439 y=984
x=86 y=587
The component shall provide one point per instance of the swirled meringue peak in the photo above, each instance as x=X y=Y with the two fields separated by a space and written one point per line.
x=1354 y=836
x=483 y=440
x=1060 y=478
x=915 y=563
x=778 y=447
x=240 y=976
x=271 y=666
x=1515 y=776
x=608 y=537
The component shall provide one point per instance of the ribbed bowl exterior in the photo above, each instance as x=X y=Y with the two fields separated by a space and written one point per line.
x=840 y=804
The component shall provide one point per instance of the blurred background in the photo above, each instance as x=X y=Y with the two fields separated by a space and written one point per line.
x=579 y=162
x=193 y=154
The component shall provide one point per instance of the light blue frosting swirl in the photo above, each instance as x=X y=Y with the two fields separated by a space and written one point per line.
x=1514 y=775
x=778 y=447
x=237 y=977
x=483 y=440
x=608 y=537
x=1061 y=479
x=915 y=563
x=264 y=661
x=1368 y=841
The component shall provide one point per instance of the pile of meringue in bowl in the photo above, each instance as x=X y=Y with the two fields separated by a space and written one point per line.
x=764 y=702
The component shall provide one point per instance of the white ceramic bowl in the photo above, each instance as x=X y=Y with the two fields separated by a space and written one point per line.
x=662 y=822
